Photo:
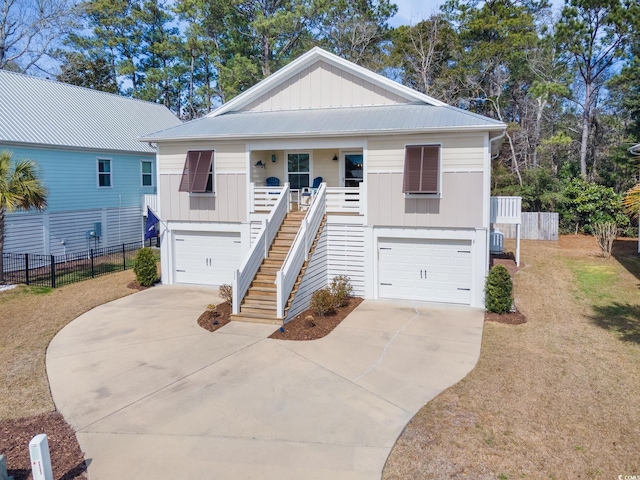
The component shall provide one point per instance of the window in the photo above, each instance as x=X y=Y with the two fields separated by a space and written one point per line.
x=298 y=170
x=104 y=173
x=422 y=169
x=146 y=168
x=197 y=176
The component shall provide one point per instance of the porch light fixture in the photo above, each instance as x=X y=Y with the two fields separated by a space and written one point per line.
x=260 y=164
x=273 y=158
x=335 y=158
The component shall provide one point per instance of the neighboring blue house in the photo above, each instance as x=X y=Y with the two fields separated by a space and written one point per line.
x=96 y=172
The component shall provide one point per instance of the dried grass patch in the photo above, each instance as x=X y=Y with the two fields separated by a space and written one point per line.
x=29 y=319
x=553 y=398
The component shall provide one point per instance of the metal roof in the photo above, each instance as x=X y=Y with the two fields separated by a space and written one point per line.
x=39 y=111
x=405 y=118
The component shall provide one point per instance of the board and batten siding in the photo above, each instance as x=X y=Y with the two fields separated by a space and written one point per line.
x=459 y=206
x=229 y=204
x=322 y=85
x=70 y=177
x=229 y=157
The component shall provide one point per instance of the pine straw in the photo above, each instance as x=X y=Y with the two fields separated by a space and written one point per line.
x=29 y=319
x=556 y=397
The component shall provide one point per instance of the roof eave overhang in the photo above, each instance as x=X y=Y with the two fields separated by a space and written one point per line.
x=344 y=133
x=50 y=146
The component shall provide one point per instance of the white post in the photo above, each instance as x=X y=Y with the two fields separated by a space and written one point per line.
x=306 y=239
x=40 y=458
x=235 y=290
x=279 y=295
x=518 y=244
x=252 y=197
x=265 y=226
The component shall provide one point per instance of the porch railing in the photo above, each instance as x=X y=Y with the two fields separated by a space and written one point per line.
x=151 y=201
x=299 y=252
x=263 y=199
x=506 y=209
x=345 y=200
x=260 y=249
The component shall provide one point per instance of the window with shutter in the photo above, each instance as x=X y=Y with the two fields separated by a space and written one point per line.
x=197 y=176
x=422 y=169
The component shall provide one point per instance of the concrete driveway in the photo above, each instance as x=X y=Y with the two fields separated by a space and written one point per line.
x=152 y=395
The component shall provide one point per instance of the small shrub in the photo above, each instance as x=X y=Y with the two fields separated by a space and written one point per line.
x=322 y=302
x=145 y=267
x=341 y=290
x=498 y=289
x=605 y=233
x=226 y=293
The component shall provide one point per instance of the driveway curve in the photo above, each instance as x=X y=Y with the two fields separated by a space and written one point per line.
x=152 y=395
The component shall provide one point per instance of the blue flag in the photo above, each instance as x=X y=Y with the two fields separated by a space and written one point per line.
x=150 y=228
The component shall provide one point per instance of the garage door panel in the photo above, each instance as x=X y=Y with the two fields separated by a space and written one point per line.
x=428 y=270
x=206 y=258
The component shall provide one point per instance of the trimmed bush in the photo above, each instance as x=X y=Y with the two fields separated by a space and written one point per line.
x=498 y=290
x=341 y=290
x=145 y=267
x=322 y=302
x=226 y=293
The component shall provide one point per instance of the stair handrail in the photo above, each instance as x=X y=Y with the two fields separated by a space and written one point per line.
x=243 y=277
x=299 y=251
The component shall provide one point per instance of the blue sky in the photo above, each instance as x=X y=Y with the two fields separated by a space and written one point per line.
x=412 y=11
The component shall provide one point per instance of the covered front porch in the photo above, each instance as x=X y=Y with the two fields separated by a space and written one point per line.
x=341 y=170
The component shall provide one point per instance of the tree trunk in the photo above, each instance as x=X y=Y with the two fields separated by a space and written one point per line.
x=1 y=245
x=586 y=114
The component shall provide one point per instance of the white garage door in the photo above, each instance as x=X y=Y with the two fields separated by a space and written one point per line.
x=427 y=270
x=206 y=258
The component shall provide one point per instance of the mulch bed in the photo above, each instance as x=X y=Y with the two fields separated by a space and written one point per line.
x=308 y=326
x=507 y=260
x=67 y=459
x=212 y=320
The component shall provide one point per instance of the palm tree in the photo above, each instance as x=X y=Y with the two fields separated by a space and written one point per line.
x=20 y=189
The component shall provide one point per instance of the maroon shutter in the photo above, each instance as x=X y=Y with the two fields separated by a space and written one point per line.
x=412 y=169
x=430 y=175
x=196 y=171
x=421 y=169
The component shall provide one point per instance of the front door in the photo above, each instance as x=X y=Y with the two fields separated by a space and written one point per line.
x=353 y=172
x=298 y=165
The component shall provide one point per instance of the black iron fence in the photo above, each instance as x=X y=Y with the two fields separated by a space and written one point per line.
x=58 y=270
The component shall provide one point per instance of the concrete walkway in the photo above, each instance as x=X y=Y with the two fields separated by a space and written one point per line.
x=153 y=396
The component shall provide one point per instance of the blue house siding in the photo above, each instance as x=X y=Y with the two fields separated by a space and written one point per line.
x=71 y=177
x=76 y=203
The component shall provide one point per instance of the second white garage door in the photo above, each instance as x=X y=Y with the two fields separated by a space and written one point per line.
x=206 y=258
x=426 y=270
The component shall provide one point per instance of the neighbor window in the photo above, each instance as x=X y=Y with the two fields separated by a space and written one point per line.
x=104 y=172
x=147 y=173
x=422 y=169
x=197 y=176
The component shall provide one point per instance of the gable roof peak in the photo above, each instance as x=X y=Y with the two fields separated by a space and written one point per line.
x=312 y=56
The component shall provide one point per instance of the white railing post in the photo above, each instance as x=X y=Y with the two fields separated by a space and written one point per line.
x=306 y=239
x=279 y=295
x=265 y=226
x=252 y=197
x=235 y=293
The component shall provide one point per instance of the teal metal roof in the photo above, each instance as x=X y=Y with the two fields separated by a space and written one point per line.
x=44 y=112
